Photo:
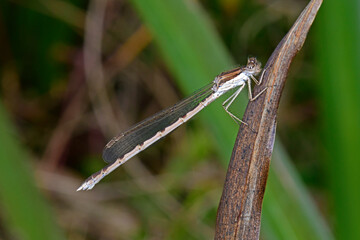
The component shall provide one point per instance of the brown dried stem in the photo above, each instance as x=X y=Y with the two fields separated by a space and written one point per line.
x=240 y=207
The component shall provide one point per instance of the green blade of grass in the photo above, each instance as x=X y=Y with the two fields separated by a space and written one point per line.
x=339 y=58
x=195 y=54
x=22 y=207
x=289 y=202
x=189 y=53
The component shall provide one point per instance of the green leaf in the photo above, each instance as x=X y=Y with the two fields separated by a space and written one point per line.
x=338 y=60
x=22 y=205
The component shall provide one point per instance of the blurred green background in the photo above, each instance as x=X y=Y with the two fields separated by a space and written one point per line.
x=75 y=73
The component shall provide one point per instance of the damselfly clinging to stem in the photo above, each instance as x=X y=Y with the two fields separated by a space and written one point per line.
x=126 y=145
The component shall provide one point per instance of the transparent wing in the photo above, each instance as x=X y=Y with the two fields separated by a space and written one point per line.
x=139 y=133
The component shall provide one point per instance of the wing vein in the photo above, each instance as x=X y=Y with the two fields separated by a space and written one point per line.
x=139 y=133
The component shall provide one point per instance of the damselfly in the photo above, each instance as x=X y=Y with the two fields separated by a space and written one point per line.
x=126 y=145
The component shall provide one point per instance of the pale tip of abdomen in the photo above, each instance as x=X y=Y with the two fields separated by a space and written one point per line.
x=80 y=188
x=87 y=185
x=96 y=177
